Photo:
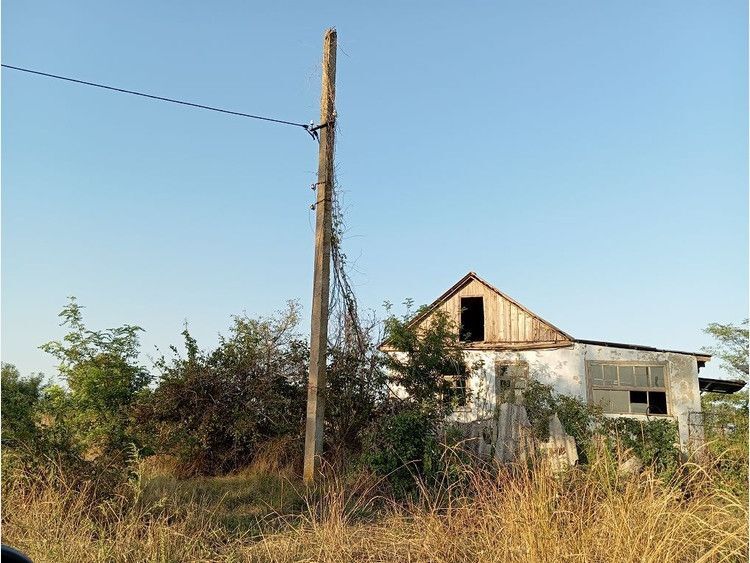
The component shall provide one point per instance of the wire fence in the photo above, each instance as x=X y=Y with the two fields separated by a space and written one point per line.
x=710 y=425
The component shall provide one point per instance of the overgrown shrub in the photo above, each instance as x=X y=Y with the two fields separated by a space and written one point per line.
x=578 y=418
x=403 y=446
x=725 y=417
x=213 y=410
x=84 y=430
x=20 y=397
x=725 y=428
x=356 y=390
x=654 y=442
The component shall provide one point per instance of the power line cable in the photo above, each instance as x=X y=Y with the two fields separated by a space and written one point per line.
x=310 y=128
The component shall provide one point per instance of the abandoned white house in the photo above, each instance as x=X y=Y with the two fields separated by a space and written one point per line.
x=510 y=344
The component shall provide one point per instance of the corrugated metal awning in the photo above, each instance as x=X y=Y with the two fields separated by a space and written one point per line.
x=726 y=386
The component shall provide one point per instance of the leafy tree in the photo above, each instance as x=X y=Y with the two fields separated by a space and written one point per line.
x=404 y=444
x=104 y=382
x=424 y=355
x=20 y=397
x=213 y=410
x=731 y=346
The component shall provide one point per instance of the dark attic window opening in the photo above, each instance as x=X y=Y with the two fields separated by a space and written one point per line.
x=472 y=319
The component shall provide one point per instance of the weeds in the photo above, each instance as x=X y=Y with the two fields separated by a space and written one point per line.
x=490 y=514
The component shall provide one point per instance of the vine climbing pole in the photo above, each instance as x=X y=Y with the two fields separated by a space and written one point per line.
x=316 y=384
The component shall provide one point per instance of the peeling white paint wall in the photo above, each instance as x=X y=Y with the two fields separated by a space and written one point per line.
x=564 y=369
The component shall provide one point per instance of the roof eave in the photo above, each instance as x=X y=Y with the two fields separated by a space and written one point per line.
x=699 y=356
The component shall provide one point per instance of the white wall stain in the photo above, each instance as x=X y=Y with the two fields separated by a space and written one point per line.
x=564 y=369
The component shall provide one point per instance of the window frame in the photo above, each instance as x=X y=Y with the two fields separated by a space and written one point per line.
x=524 y=376
x=665 y=388
x=453 y=379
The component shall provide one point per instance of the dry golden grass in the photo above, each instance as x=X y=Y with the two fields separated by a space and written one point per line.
x=532 y=516
x=55 y=523
x=494 y=515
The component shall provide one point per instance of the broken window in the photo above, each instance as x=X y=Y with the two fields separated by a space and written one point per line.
x=628 y=388
x=657 y=402
x=639 y=402
x=510 y=381
x=472 y=319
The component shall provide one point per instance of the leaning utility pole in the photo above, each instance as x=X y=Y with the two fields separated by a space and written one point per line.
x=316 y=384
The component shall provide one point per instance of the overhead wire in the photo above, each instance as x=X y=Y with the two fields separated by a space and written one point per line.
x=310 y=128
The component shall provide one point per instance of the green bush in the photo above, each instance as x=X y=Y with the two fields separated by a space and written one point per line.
x=403 y=447
x=578 y=418
x=20 y=397
x=654 y=442
x=214 y=409
x=32 y=438
x=83 y=430
x=725 y=426
x=356 y=387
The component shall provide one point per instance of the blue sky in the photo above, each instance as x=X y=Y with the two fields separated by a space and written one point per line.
x=588 y=158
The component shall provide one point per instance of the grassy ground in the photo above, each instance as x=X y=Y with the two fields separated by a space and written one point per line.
x=263 y=514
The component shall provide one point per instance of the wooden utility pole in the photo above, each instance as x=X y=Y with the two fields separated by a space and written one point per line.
x=316 y=384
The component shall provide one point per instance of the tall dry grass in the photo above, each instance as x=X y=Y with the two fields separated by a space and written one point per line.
x=506 y=514
x=52 y=520
x=533 y=516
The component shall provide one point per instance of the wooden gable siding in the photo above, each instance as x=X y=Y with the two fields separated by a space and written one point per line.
x=504 y=321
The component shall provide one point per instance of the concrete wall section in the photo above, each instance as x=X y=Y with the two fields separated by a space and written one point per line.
x=561 y=368
x=683 y=393
x=565 y=370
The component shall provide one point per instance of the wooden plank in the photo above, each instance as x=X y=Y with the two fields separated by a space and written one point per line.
x=508 y=323
x=527 y=329
x=504 y=320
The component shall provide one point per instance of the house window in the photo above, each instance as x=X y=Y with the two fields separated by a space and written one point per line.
x=454 y=391
x=472 y=319
x=628 y=388
x=510 y=381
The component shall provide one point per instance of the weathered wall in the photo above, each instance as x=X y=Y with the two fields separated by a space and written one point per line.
x=683 y=393
x=565 y=370
x=562 y=368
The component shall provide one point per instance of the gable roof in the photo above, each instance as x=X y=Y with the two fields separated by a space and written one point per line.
x=472 y=276
x=701 y=357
